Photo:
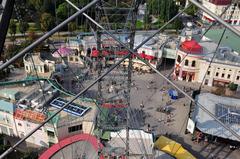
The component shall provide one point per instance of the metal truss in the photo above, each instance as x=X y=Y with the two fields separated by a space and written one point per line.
x=131 y=51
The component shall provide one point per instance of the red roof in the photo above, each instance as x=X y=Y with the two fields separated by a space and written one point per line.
x=65 y=142
x=191 y=46
x=29 y=115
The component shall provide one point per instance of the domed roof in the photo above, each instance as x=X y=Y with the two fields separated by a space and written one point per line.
x=191 y=46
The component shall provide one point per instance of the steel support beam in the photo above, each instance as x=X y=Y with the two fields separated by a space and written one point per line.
x=47 y=35
x=159 y=73
x=7 y=8
x=216 y=17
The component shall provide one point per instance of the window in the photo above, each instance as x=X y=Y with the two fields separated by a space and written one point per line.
x=217 y=74
x=223 y=75
x=193 y=63
x=71 y=59
x=208 y=72
x=186 y=62
x=26 y=68
x=50 y=133
x=238 y=77
x=76 y=59
x=206 y=82
x=19 y=124
x=228 y=76
x=75 y=128
x=179 y=59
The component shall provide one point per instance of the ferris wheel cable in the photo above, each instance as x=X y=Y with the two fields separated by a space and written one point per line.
x=44 y=37
x=235 y=31
x=218 y=45
x=205 y=32
x=163 y=76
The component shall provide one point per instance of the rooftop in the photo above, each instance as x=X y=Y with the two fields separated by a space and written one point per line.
x=139 y=141
x=208 y=125
x=229 y=39
x=7 y=106
x=65 y=117
x=191 y=46
x=29 y=115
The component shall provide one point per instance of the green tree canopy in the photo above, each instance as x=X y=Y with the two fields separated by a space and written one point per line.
x=12 y=27
x=72 y=26
x=62 y=11
x=23 y=27
x=164 y=9
x=47 y=22
x=192 y=10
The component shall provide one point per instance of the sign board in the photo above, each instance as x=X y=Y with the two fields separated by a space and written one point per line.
x=190 y=126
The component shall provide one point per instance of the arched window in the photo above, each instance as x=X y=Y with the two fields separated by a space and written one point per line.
x=193 y=63
x=179 y=59
x=186 y=62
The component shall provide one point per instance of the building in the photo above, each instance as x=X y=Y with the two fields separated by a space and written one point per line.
x=10 y=94
x=7 y=123
x=47 y=63
x=153 y=51
x=217 y=7
x=226 y=109
x=193 y=59
x=41 y=66
x=80 y=117
x=27 y=120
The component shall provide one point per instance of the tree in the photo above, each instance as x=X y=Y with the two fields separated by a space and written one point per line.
x=48 y=7
x=147 y=21
x=47 y=22
x=62 y=11
x=192 y=10
x=178 y=25
x=232 y=86
x=72 y=26
x=32 y=36
x=23 y=27
x=12 y=29
x=164 y=9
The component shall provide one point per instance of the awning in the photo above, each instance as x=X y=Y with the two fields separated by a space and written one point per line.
x=149 y=57
x=63 y=52
x=173 y=148
x=95 y=53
